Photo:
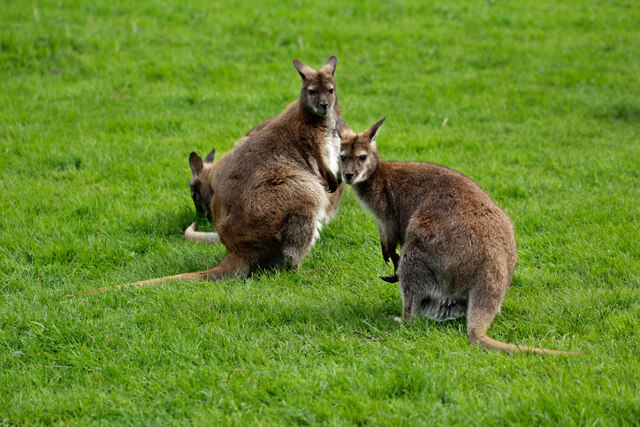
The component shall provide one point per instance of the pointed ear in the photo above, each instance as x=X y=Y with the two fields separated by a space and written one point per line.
x=196 y=164
x=372 y=132
x=343 y=129
x=210 y=156
x=330 y=65
x=305 y=71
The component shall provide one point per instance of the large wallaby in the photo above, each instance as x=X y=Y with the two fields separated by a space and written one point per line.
x=271 y=199
x=204 y=179
x=458 y=249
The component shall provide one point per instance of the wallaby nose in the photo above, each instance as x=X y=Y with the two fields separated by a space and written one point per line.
x=324 y=105
x=348 y=176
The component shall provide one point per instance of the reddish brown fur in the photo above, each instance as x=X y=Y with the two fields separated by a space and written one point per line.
x=205 y=174
x=204 y=180
x=271 y=194
x=458 y=247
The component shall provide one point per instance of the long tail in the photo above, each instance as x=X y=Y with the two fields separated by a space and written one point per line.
x=230 y=267
x=191 y=235
x=483 y=340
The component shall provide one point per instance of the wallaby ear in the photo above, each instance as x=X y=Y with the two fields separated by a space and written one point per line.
x=372 y=132
x=343 y=129
x=196 y=164
x=330 y=65
x=210 y=156
x=305 y=71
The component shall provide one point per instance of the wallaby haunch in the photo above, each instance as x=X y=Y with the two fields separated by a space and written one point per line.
x=458 y=248
x=271 y=199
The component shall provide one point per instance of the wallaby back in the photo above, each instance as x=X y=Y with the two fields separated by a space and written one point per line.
x=458 y=247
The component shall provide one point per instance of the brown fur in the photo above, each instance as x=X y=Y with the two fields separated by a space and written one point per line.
x=204 y=179
x=271 y=195
x=458 y=247
x=205 y=174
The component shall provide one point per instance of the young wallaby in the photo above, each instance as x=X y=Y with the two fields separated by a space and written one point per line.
x=204 y=179
x=270 y=200
x=205 y=174
x=458 y=248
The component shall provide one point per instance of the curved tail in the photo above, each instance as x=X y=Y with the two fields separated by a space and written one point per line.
x=230 y=267
x=191 y=235
x=481 y=338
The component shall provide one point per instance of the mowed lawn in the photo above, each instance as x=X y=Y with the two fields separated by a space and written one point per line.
x=101 y=103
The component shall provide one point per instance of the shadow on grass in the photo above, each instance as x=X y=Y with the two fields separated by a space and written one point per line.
x=169 y=224
x=622 y=112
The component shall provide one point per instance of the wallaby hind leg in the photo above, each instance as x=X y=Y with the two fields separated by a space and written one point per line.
x=417 y=281
x=297 y=237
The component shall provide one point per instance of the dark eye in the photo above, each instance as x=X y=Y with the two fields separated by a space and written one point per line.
x=362 y=157
x=343 y=157
x=312 y=91
x=331 y=91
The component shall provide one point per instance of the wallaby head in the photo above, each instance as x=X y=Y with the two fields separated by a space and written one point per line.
x=318 y=95
x=201 y=190
x=359 y=157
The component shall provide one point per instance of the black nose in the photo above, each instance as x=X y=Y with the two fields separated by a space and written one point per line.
x=324 y=105
x=348 y=176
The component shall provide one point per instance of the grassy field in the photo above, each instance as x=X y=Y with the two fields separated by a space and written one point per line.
x=101 y=103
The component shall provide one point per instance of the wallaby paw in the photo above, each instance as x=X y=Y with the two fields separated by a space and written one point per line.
x=393 y=278
x=332 y=183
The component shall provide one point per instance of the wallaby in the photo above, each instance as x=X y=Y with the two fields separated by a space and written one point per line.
x=204 y=179
x=458 y=248
x=205 y=174
x=270 y=200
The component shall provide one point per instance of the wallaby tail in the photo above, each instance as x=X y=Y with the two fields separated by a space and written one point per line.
x=230 y=267
x=483 y=340
x=191 y=235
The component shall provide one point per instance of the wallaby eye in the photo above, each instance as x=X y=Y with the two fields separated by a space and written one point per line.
x=312 y=91
x=331 y=91
x=362 y=157
x=343 y=157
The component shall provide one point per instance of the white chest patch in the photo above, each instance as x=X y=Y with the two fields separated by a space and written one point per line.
x=332 y=147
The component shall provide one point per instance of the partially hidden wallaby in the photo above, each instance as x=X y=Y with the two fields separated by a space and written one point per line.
x=458 y=248
x=204 y=179
x=271 y=199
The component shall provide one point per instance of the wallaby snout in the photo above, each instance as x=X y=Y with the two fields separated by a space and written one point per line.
x=348 y=177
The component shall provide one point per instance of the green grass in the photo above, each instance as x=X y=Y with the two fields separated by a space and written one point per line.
x=101 y=103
